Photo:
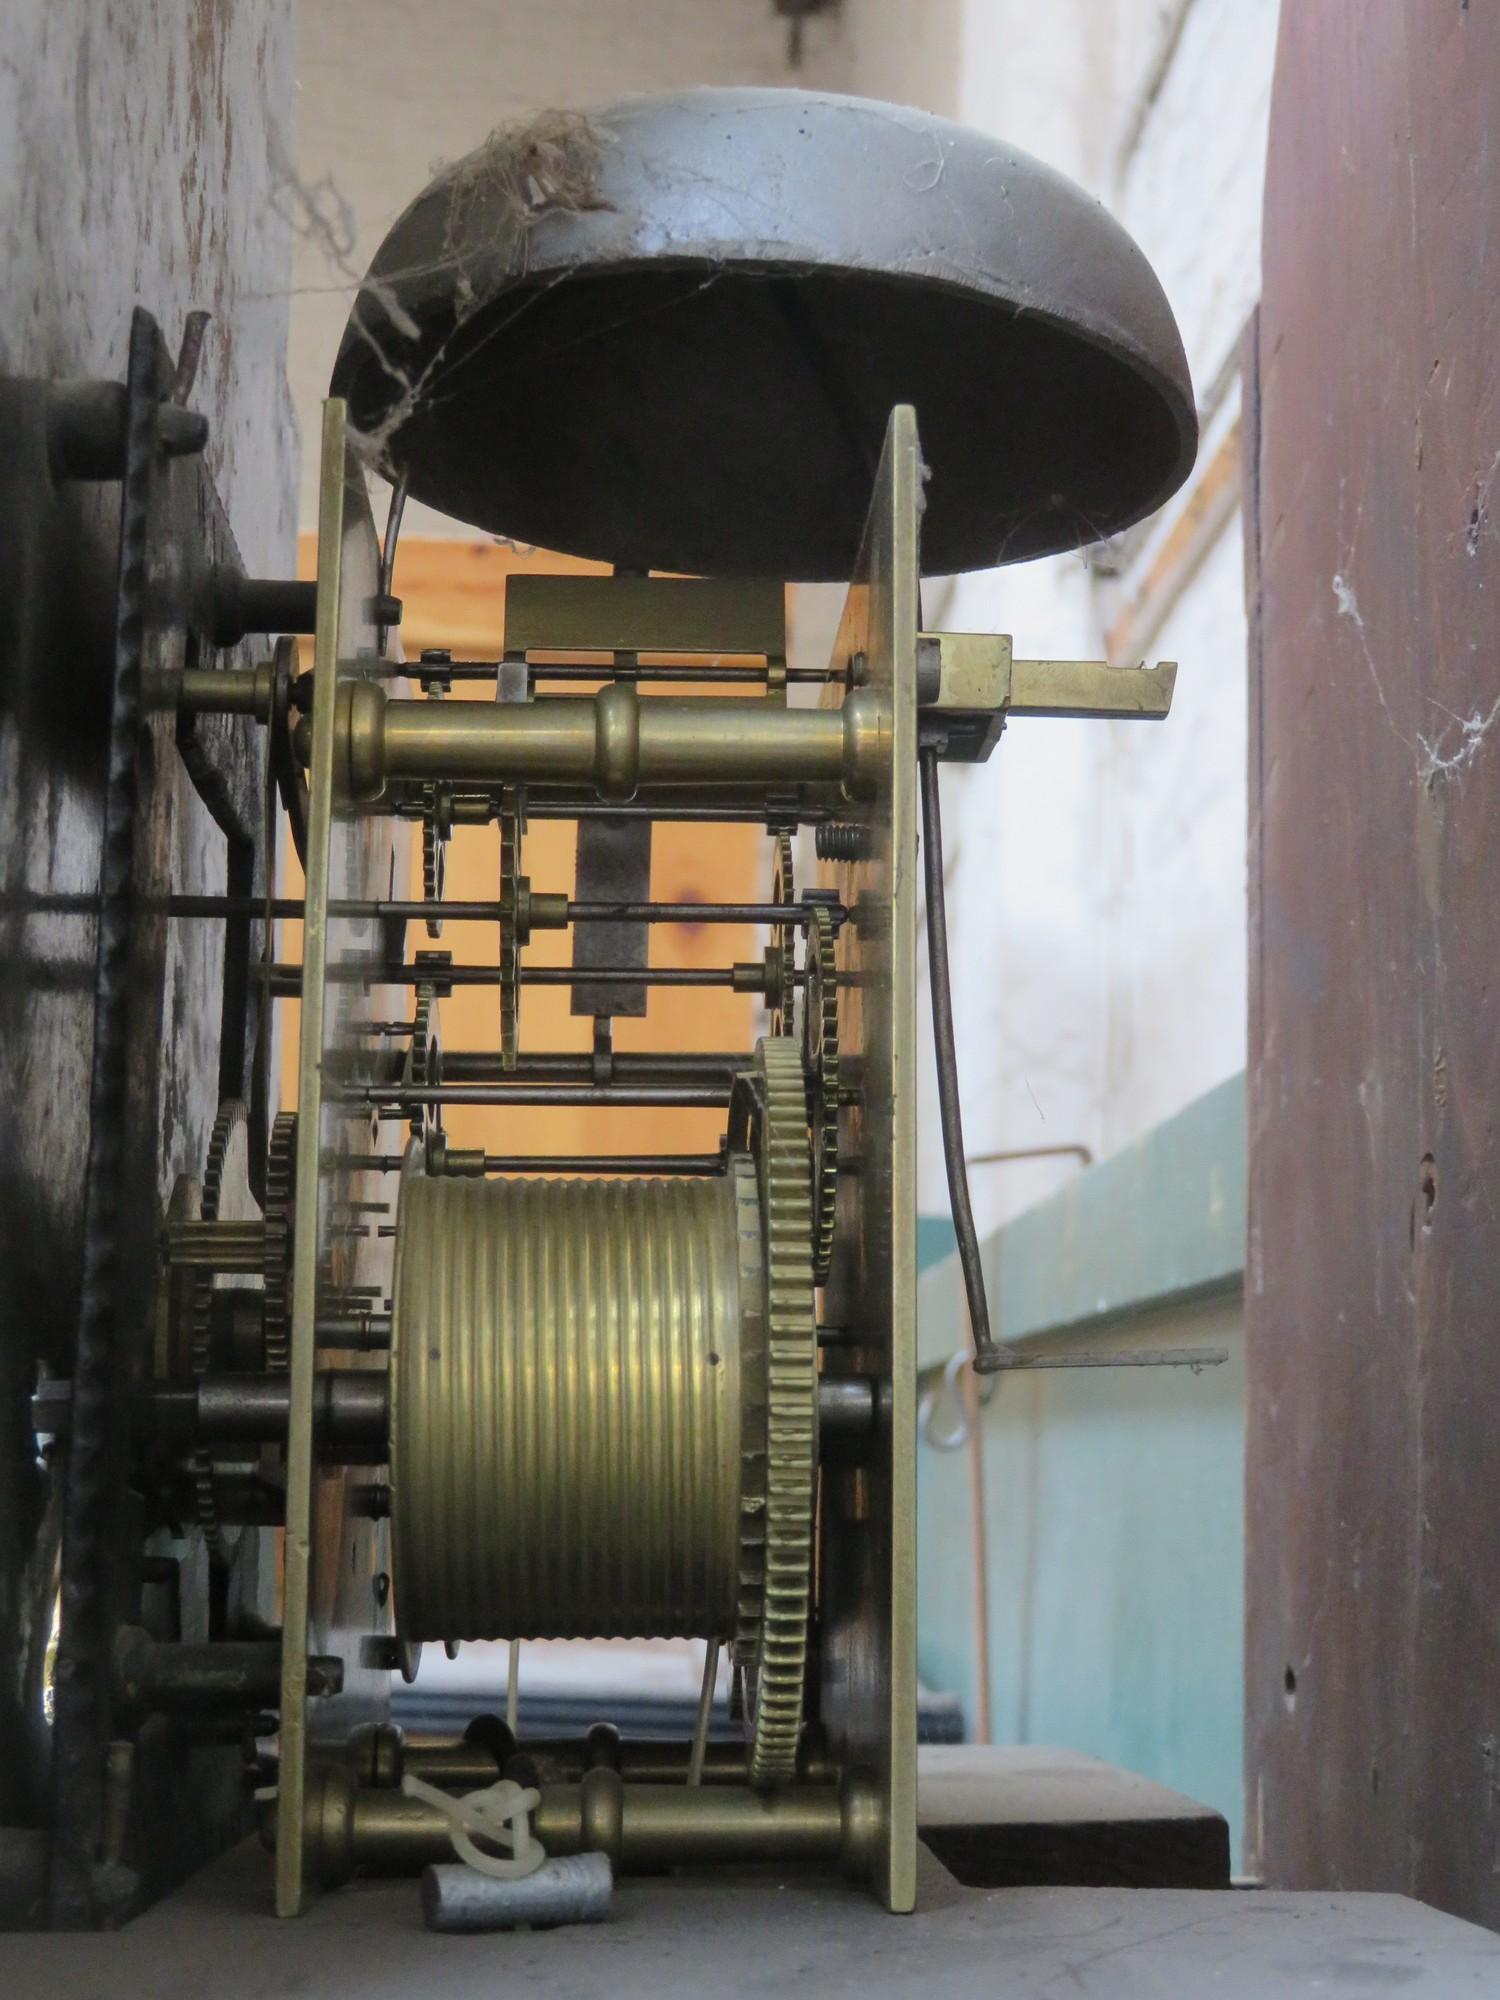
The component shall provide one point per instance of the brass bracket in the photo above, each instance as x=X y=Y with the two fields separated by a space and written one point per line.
x=969 y=684
x=638 y=614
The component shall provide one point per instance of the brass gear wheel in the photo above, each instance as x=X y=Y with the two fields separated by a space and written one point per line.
x=820 y=1057
x=512 y=826
x=434 y=852
x=226 y=1166
x=769 y=1118
x=782 y=990
x=230 y=1119
x=281 y=1187
x=421 y=1068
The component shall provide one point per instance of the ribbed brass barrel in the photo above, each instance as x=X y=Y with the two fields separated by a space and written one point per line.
x=566 y=1408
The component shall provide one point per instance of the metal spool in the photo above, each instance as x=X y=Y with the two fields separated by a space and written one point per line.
x=577 y=1405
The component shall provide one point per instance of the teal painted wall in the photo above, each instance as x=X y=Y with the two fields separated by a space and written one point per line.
x=935 y=1240
x=1113 y=1499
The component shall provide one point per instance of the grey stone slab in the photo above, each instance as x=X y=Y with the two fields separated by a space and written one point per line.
x=772 y=1935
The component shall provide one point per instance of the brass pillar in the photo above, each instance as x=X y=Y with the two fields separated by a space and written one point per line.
x=352 y=1830
x=612 y=741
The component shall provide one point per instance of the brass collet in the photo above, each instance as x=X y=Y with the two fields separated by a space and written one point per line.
x=612 y=741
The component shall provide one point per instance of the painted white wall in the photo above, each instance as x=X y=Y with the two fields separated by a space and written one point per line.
x=1189 y=188
x=1096 y=871
x=906 y=51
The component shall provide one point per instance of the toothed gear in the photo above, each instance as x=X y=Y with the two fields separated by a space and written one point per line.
x=230 y=1115
x=281 y=1185
x=820 y=1055
x=770 y=1117
x=422 y=1057
x=512 y=825
x=434 y=852
x=230 y=1125
x=783 y=997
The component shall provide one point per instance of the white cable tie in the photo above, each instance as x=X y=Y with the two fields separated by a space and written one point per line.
x=499 y=1814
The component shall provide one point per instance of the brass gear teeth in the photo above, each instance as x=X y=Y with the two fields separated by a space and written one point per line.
x=776 y=1674
x=784 y=890
x=230 y=1115
x=820 y=1049
x=432 y=862
x=205 y=1498
x=419 y=1057
x=511 y=827
x=281 y=1182
x=751 y=1577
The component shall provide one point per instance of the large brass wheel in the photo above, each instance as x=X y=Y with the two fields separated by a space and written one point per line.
x=769 y=1117
x=604 y=1406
